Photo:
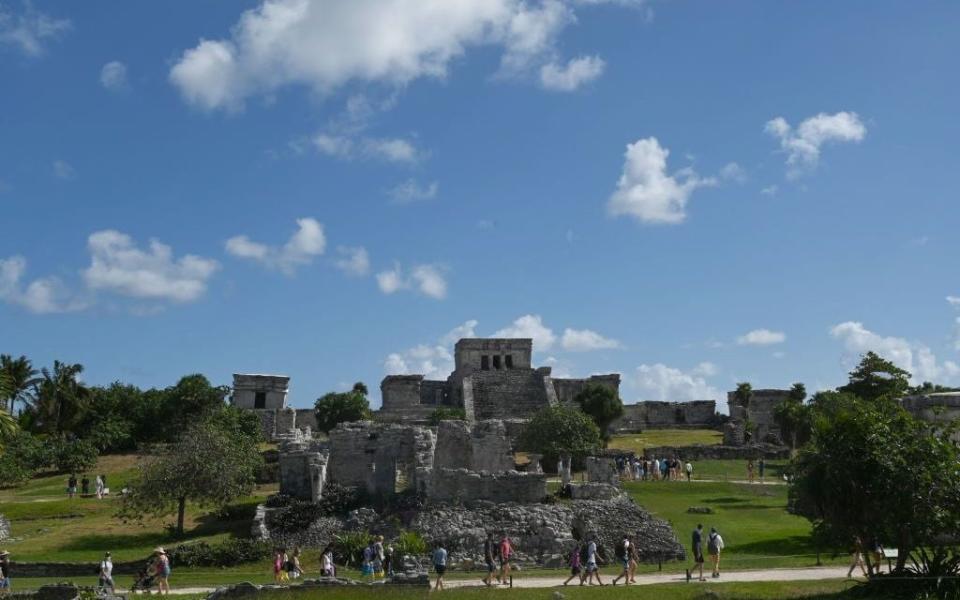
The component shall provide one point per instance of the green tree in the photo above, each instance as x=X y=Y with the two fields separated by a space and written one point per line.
x=21 y=377
x=869 y=468
x=876 y=378
x=560 y=431
x=931 y=388
x=602 y=404
x=192 y=399
x=743 y=393
x=342 y=407
x=446 y=414
x=793 y=417
x=59 y=400
x=8 y=426
x=208 y=466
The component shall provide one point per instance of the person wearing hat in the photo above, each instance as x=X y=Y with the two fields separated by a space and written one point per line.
x=4 y=571
x=163 y=570
x=105 y=581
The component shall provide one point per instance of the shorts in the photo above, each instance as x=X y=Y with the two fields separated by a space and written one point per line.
x=105 y=582
x=71 y=490
x=575 y=570
x=625 y=562
x=440 y=569
x=491 y=567
x=591 y=567
x=698 y=556
x=5 y=583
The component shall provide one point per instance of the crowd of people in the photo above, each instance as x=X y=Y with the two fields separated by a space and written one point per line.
x=100 y=488
x=632 y=468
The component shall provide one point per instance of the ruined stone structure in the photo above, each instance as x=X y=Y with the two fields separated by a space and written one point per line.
x=701 y=414
x=941 y=407
x=382 y=458
x=493 y=378
x=759 y=412
x=267 y=396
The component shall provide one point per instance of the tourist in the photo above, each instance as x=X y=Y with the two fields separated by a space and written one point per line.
x=490 y=551
x=5 y=572
x=439 y=564
x=655 y=467
x=72 y=486
x=714 y=547
x=760 y=468
x=592 y=571
x=85 y=486
x=163 y=570
x=576 y=565
x=622 y=552
x=378 y=557
x=327 y=568
x=369 y=554
x=294 y=569
x=105 y=580
x=750 y=471
x=689 y=469
x=98 y=486
x=697 y=543
x=876 y=555
x=664 y=469
x=857 y=553
x=634 y=560
x=638 y=467
x=388 y=561
x=506 y=549
x=277 y=566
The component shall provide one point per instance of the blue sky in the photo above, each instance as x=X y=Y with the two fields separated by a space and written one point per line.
x=688 y=193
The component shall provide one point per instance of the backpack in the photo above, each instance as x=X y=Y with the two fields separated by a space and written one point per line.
x=712 y=547
x=368 y=554
x=583 y=554
x=621 y=550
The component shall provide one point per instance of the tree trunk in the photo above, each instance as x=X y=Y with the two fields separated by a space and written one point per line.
x=181 y=509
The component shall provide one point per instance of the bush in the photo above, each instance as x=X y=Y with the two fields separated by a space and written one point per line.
x=15 y=471
x=410 y=543
x=228 y=553
x=74 y=456
x=446 y=414
x=339 y=500
x=294 y=516
x=349 y=545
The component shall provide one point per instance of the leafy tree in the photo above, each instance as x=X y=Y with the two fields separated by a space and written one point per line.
x=446 y=414
x=207 y=466
x=21 y=377
x=876 y=378
x=559 y=431
x=192 y=399
x=602 y=404
x=930 y=388
x=59 y=400
x=361 y=388
x=793 y=417
x=73 y=456
x=873 y=470
x=8 y=427
x=336 y=407
x=743 y=393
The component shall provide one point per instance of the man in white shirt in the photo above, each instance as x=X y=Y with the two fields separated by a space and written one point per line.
x=106 y=573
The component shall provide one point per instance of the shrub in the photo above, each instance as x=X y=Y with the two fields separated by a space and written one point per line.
x=349 y=545
x=74 y=456
x=446 y=414
x=294 y=516
x=339 y=500
x=410 y=543
x=228 y=553
x=15 y=471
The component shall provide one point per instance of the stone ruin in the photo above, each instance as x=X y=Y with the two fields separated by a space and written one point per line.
x=759 y=412
x=267 y=396
x=695 y=414
x=941 y=407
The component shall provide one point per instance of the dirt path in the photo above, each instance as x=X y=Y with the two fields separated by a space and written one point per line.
x=801 y=574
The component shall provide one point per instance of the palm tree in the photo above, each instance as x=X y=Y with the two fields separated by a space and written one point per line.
x=8 y=426
x=59 y=400
x=21 y=377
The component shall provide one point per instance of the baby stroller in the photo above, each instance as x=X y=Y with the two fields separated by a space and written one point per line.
x=143 y=582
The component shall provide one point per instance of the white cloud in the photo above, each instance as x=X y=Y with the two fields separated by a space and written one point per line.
x=647 y=192
x=348 y=147
x=530 y=326
x=660 y=382
x=30 y=30
x=63 y=170
x=953 y=300
x=113 y=76
x=705 y=369
x=761 y=337
x=733 y=172
x=770 y=190
x=353 y=260
x=326 y=44
x=434 y=361
x=912 y=356
x=566 y=78
x=118 y=266
x=802 y=145
x=425 y=279
x=40 y=296
x=585 y=340
x=306 y=243
x=411 y=191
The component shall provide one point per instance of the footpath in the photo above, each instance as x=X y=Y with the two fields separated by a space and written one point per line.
x=799 y=574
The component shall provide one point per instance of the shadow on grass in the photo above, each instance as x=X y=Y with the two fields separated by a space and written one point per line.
x=725 y=500
x=794 y=544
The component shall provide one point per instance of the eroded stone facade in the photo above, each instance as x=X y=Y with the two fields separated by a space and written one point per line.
x=667 y=415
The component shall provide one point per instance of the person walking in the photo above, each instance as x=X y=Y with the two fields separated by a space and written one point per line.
x=592 y=570
x=378 y=557
x=5 y=584
x=761 y=466
x=576 y=566
x=634 y=560
x=163 y=570
x=369 y=553
x=326 y=563
x=277 y=565
x=689 y=470
x=857 y=554
x=490 y=552
x=98 y=487
x=388 y=560
x=294 y=570
x=85 y=486
x=72 y=486
x=439 y=564
x=697 y=544
x=622 y=551
x=105 y=579
x=714 y=547
x=750 y=471
x=506 y=549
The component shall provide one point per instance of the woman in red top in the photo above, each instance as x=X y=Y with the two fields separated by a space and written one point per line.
x=506 y=549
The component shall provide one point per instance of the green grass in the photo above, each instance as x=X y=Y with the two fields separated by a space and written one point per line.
x=48 y=526
x=756 y=528
x=651 y=438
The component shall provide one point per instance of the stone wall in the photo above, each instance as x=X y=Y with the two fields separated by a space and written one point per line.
x=411 y=398
x=482 y=446
x=567 y=389
x=511 y=394
x=666 y=415
x=934 y=408
x=380 y=456
x=276 y=423
x=246 y=387
x=717 y=452
x=759 y=411
x=303 y=471
x=602 y=469
x=461 y=485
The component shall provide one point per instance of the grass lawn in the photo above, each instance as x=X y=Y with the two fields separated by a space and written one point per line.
x=48 y=526
x=637 y=442
x=756 y=528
